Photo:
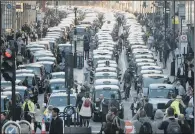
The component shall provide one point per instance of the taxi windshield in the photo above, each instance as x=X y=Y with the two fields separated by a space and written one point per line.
x=48 y=68
x=58 y=76
x=107 y=93
x=57 y=86
x=61 y=101
x=160 y=93
x=36 y=70
x=150 y=80
x=4 y=85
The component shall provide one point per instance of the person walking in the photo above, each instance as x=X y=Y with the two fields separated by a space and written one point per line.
x=176 y=106
x=103 y=111
x=86 y=47
x=169 y=124
x=185 y=127
x=135 y=106
x=28 y=106
x=38 y=117
x=86 y=110
x=180 y=89
x=3 y=119
x=181 y=74
x=56 y=126
x=47 y=116
x=158 y=118
x=142 y=123
x=148 y=107
x=113 y=102
x=79 y=102
x=190 y=76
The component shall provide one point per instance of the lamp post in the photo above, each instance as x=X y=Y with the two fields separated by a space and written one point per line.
x=75 y=38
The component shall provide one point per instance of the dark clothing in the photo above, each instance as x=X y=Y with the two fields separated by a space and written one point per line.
x=113 y=103
x=86 y=54
x=165 y=124
x=148 y=107
x=26 y=28
x=185 y=128
x=56 y=126
x=79 y=101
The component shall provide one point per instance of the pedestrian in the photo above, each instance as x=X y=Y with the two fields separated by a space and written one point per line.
x=150 y=41
x=28 y=107
x=56 y=126
x=148 y=107
x=38 y=117
x=181 y=74
x=158 y=118
x=20 y=44
x=185 y=127
x=112 y=122
x=180 y=89
x=86 y=110
x=79 y=102
x=189 y=95
x=189 y=112
x=3 y=119
x=142 y=123
x=169 y=124
x=190 y=76
x=103 y=111
x=47 y=116
x=176 y=106
x=135 y=106
x=113 y=102
x=86 y=47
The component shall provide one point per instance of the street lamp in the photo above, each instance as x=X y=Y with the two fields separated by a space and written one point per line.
x=75 y=38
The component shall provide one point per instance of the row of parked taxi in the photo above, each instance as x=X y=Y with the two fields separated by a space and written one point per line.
x=39 y=76
x=105 y=74
x=148 y=77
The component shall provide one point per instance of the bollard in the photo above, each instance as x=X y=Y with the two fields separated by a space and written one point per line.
x=25 y=127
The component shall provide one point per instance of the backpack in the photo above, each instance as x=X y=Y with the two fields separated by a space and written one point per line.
x=173 y=127
x=87 y=103
x=146 y=128
x=110 y=126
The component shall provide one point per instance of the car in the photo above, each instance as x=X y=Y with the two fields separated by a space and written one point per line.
x=106 y=69
x=151 y=72
x=160 y=94
x=19 y=100
x=106 y=82
x=144 y=56
x=106 y=91
x=5 y=84
x=5 y=104
x=21 y=71
x=24 y=91
x=105 y=65
x=55 y=75
x=40 y=74
x=144 y=60
x=39 y=54
x=146 y=79
x=32 y=84
x=151 y=68
x=55 y=85
x=96 y=58
x=48 y=65
x=50 y=59
x=105 y=75
x=140 y=64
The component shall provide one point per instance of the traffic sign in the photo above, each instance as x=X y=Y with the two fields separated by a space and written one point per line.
x=183 y=38
x=129 y=127
x=9 y=6
x=11 y=129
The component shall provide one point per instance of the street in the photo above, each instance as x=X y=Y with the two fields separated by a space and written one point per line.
x=97 y=60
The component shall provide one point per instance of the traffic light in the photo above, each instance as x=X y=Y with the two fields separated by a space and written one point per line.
x=8 y=65
x=69 y=65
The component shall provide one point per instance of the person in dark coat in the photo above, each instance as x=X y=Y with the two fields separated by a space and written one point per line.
x=86 y=47
x=113 y=102
x=148 y=107
x=56 y=126
x=190 y=76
